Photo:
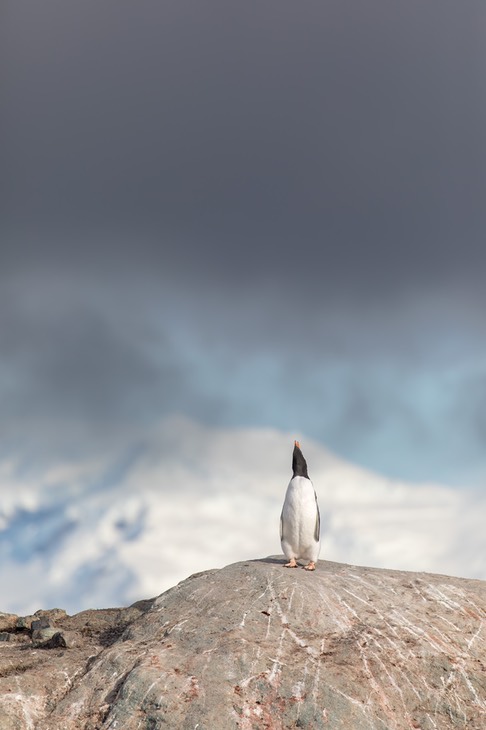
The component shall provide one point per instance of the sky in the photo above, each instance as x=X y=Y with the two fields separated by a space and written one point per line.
x=251 y=215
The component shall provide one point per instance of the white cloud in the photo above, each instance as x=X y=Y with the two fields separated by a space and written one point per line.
x=198 y=498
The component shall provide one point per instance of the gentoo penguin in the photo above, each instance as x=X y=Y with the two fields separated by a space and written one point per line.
x=300 y=521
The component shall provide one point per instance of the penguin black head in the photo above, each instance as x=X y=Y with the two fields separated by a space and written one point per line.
x=299 y=464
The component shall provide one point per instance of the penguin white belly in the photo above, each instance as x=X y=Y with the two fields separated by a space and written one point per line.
x=299 y=526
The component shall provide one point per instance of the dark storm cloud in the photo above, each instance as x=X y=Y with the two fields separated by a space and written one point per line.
x=234 y=193
x=77 y=374
x=339 y=141
x=75 y=362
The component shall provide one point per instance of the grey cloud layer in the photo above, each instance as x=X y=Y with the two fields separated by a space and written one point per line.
x=347 y=132
x=227 y=186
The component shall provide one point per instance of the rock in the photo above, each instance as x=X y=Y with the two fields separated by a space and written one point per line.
x=257 y=646
x=23 y=622
x=45 y=617
x=7 y=621
x=56 y=641
x=42 y=623
x=52 y=638
x=47 y=635
x=42 y=635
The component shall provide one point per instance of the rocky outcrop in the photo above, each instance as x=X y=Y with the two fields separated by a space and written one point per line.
x=257 y=646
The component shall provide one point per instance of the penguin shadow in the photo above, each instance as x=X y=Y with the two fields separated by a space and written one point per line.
x=271 y=559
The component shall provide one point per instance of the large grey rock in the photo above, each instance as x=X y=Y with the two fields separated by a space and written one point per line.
x=257 y=646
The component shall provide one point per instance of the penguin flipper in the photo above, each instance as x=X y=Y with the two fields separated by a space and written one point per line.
x=281 y=527
x=317 y=528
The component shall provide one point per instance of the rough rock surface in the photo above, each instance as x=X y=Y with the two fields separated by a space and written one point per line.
x=255 y=645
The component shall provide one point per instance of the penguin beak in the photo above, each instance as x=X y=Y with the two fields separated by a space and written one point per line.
x=297 y=444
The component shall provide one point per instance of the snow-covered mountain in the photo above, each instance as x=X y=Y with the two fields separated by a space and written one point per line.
x=187 y=498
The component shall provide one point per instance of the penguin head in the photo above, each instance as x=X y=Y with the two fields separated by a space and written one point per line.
x=299 y=464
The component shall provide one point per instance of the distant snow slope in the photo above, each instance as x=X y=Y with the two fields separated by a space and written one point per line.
x=187 y=498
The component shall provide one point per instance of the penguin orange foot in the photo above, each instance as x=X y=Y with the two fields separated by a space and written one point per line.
x=310 y=566
x=292 y=564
